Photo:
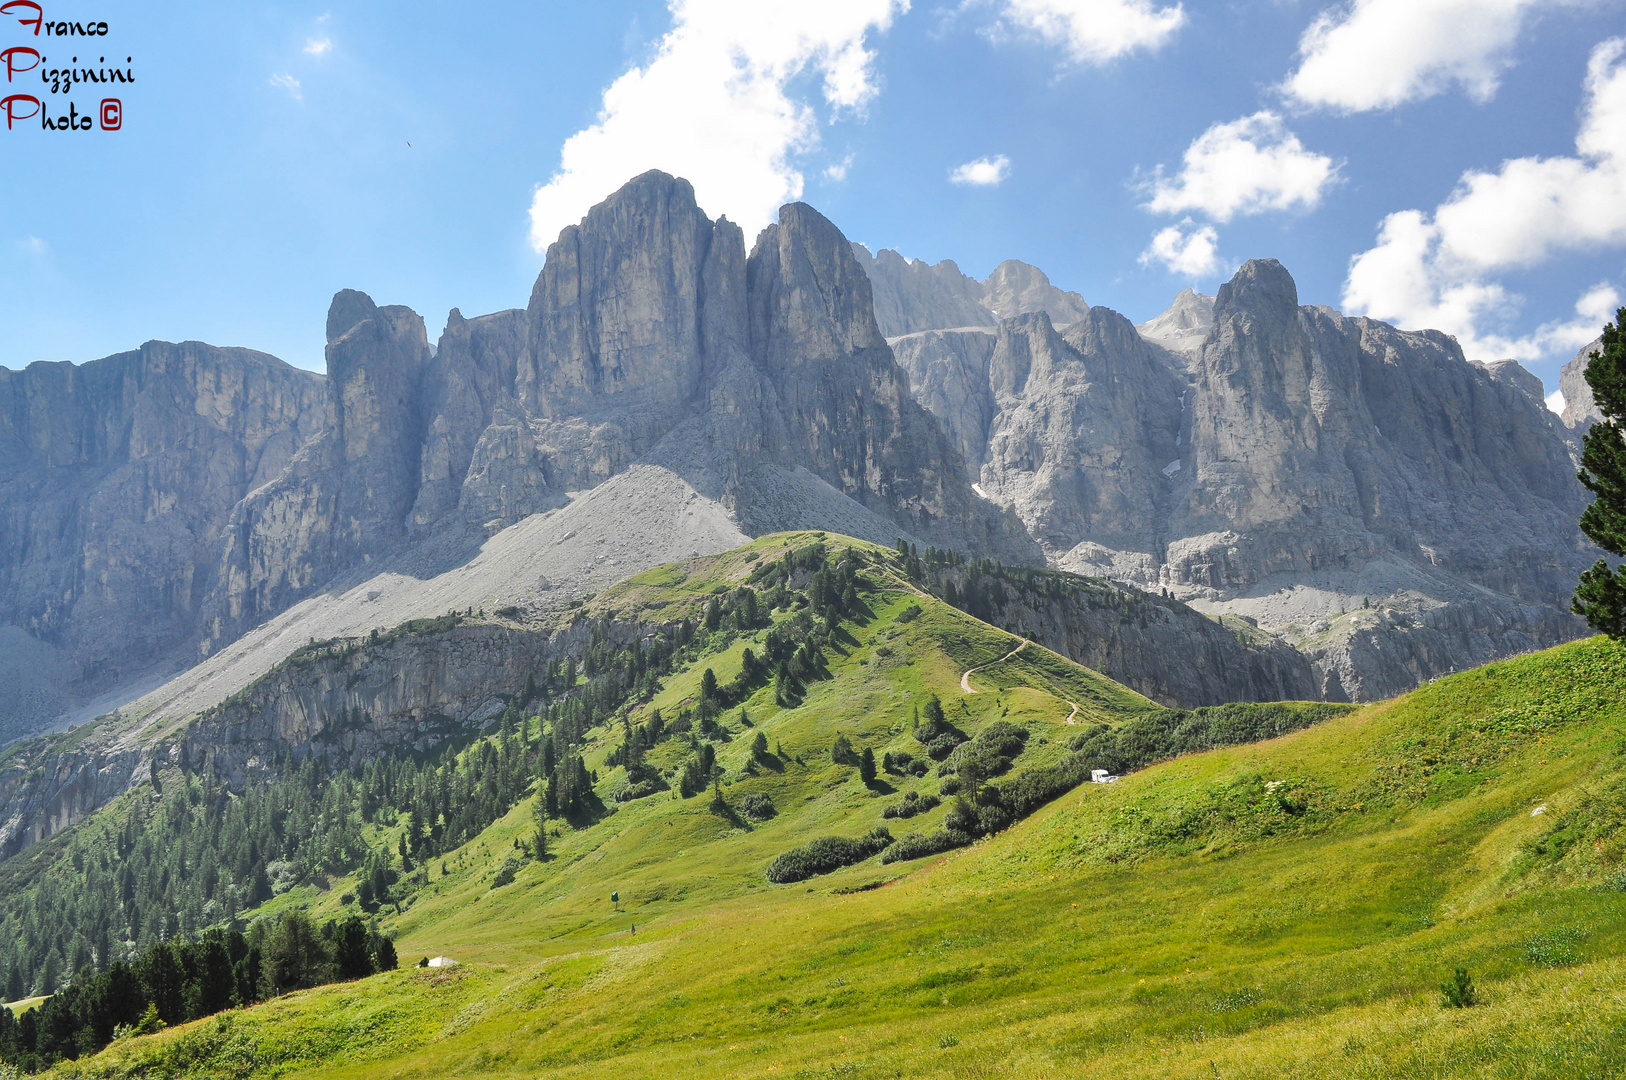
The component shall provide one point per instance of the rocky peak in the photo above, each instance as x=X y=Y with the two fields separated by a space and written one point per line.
x=1182 y=327
x=615 y=313
x=1261 y=287
x=1016 y=288
x=1512 y=373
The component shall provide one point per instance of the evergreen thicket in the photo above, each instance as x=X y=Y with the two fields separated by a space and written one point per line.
x=187 y=979
x=1601 y=594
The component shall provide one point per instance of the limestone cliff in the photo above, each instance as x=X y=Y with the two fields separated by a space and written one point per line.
x=117 y=482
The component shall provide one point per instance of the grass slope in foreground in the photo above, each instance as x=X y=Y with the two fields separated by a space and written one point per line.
x=1282 y=908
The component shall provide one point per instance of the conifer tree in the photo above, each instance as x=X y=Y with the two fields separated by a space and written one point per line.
x=1601 y=594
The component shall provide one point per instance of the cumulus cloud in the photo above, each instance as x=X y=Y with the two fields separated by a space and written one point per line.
x=1247 y=166
x=1095 y=31
x=984 y=172
x=1376 y=54
x=1186 y=249
x=288 y=83
x=318 y=46
x=1439 y=269
x=716 y=106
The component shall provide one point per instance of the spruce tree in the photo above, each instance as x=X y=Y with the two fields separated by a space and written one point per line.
x=1601 y=595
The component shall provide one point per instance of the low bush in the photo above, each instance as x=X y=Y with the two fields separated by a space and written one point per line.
x=912 y=804
x=758 y=807
x=1458 y=991
x=920 y=845
x=825 y=854
x=505 y=873
x=990 y=753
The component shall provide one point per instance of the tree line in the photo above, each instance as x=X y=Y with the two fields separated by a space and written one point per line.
x=186 y=979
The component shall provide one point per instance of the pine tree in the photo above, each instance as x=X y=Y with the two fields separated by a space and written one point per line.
x=539 y=843
x=1601 y=594
x=866 y=766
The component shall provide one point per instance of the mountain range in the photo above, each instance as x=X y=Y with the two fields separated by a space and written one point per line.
x=177 y=520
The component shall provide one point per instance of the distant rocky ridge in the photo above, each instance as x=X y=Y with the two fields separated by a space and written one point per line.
x=1390 y=508
x=911 y=296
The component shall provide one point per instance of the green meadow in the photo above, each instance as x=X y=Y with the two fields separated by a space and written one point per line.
x=1282 y=908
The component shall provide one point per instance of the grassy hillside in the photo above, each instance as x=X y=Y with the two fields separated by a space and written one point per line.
x=1286 y=907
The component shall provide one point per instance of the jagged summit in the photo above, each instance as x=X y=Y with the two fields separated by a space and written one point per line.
x=1183 y=325
x=912 y=296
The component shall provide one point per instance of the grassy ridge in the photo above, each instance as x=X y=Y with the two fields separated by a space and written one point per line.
x=1282 y=908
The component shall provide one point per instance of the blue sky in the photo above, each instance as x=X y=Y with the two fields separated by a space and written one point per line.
x=1128 y=147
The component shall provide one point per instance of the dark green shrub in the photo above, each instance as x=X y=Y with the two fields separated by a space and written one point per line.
x=1458 y=991
x=909 y=614
x=758 y=807
x=825 y=854
x=842 y=751
x=505 y=873
x=912 y=804
x=920 y=845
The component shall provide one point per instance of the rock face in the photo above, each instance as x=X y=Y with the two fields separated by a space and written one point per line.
x=1515 y=375
x=911 y=296
x=118 y=479
x=1390 y=508
x=1580 y=410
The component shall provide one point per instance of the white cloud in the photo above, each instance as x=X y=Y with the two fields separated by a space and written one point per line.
x=984 y=172
x=1376 y=54
x=1096 y=31
x=1186 y=249
x=714 y=106
x=1247 y=166
x=318 y=46
x=1555 y=402
x=838 y=171
x=1438 y=270
x=288 y=83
